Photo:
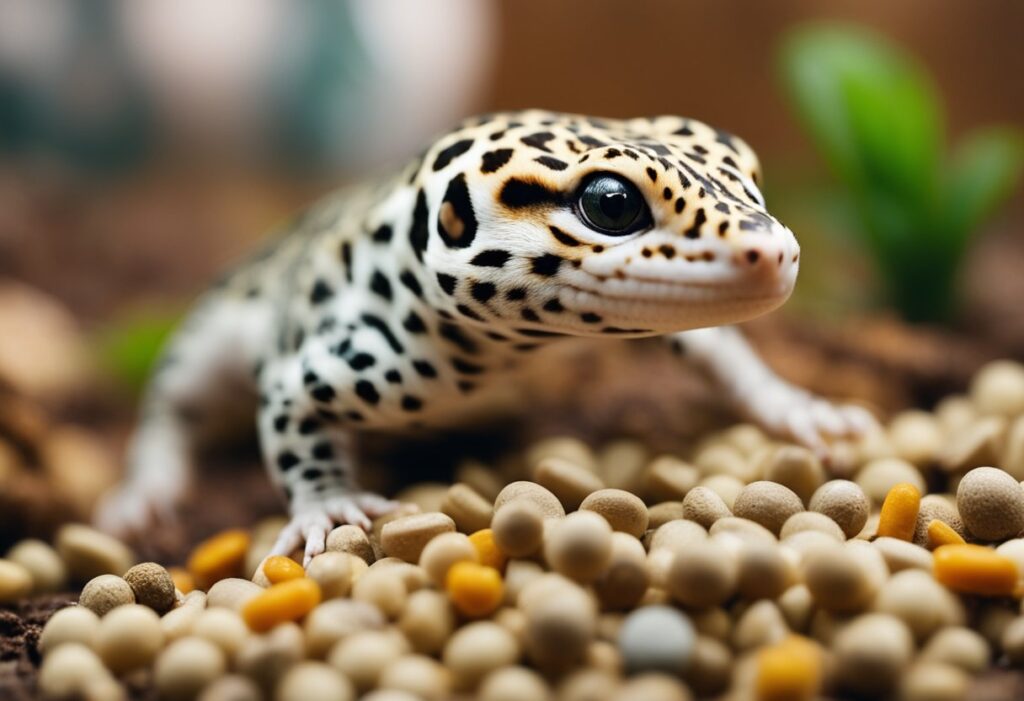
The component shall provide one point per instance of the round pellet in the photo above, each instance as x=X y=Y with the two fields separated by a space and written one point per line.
x=937 y=507
x=588 y=685
x=878 y=476
x=231 y=687
x=720 y=458
x=88 y=553
x=362 y=657
x=579 y=546
x=760 y=625
x=768 y=504
x=702 y=574
x=991 y=504
x=900 y=555
x=442 y=552
x=152 y=585
x=74 y=624
x=336 y=619
x=69 y=671
x=652 y=686
x=177 y=622
x=662 y=513
x=958 y=646
x=350 y=539
x=514 y=684
x=561 y=621
x=265 y=658
x=518 y=528
x=742 y=529
x=871 y=653
x=998 y=388
x=762 y=570
x=677 y=534
x=383 y=589
x=427 y=621
x=467 y=508
x=669 y=479
x=621 y=464
x=15 y=581
x=710 y=668
x=626 y=579
x=704 y=506
x=186 y=666
x=233 y=593
x=974 y=445
x=656 y=638
x=334 y=571
x=478 y=649
x=623 y=511
x=794 y=467
x=549 y=504
x=838 y=579
x=920 y=602
x=564 y=447
x=916 y=436
x=931 y=681
x=811 y=521
x=845 y=503
x=314 y=681
x=796 y=605
x=219 y=557
x=44 y=565
x=726 y=486
x=129 y=637
x=105 y=593
x=222 y=627
x=406 y=537
x=569 y=481
x=420 y=675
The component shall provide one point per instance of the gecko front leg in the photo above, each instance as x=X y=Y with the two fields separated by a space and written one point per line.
x=308 y=450
x=766 y=398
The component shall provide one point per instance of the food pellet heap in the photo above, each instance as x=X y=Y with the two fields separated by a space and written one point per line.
x=748 y=570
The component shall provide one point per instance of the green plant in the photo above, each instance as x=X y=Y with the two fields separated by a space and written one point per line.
x=875 y=117
x=128 y=347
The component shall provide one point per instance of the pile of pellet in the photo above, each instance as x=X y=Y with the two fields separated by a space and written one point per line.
x=746 y=571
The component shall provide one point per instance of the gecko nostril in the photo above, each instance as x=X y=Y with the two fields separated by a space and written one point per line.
x=780 y=259
x=753 y=256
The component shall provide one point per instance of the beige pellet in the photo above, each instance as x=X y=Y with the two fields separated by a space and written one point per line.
x=88 y=553
x=469 y=510
x=704 y=506
x=264 y=535
x=518 y=528
x=931 y=681
x=177 y=622
x=477 y=649
x=916 y=436
x=796 y=605
x=668 y=478
x=383 y=589
x=877 y=477
x=940 y=507
x=677 y=534
x=871 y=653
x=811 y=521
x=742 y=528
x=129 y=637
x=563 y=447
x=334 y=571
x=428 y=496
x=569 y=481
x=588 y=685
x=721 y=458
x=152 y=585
x=514 y=684
x=762 y=570
x=958 y=646
x=265 y=658
x=1012 y=642
x=991 y=504
x=726 y=486
x=621 y=464
x=768 y=504
x=710 y=667
x=840 y=579
x=662 y=513
x=105 y=593
x=420 y=675
x=412 y=576
x=622 y=510
x=845 y=503
x=549 y=504
x=186 y=666
x=336 y=619
x=920 y=602
x=975 y=445
x=222 y=627
x=901 y=555
x=513 y=620
x=652 y=686
x=1012 y=455
x=70 y=670
x=998 y=388
x=993 y=619
x=794 y=467
x=15 y=581
x=231 y=687
x=955 y=412
x=350 y=539
x=363 y=656
x=44 y=565
x=406 y=537
x=579 y=546
x=561 y=621
x=703 y=574
x=232 y=593
x=427 y=621
x=482 y=479
x=74 y=624
x=314 y=681
x=444 y=551
x=759 y=625
x=626 y=579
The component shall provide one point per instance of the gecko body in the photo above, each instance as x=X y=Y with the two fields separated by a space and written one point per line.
x=391 y=305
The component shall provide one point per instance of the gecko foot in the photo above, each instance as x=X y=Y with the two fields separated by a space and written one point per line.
x=132 y=507
x=310 y=523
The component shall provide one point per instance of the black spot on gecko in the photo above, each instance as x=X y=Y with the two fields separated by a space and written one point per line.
x=456 y=220
x=281 y=423
x=411 y=403
x=323 y=393
x=424 y=368
x=451 y=152
x=652 y=174
x=698 y=221
x=393 y=376
x=538 y=140
x=515 y=294
x=320 y=293
x=323 y=451
x=482 y=291
x=413 y=323
x=468 y=312
x=563 y=237
x=546 y=265
x=367 y=392
x=465 y=367
x=492 y=258
x=553 y=306
x=418 y=231
x=518 y=193
x=378 y=324
x=383 y=233
x=408 y=278
x=492 y=161
x=312 y=473
x=309 y=425
x=551 y=162
x=380 y=285
x=361 y=361
x=287 y=460
x=453 y=334
x=447 y=282
x=346 y=259
x=590 y=318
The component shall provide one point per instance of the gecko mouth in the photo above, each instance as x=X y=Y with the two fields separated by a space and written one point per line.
x=637 y=290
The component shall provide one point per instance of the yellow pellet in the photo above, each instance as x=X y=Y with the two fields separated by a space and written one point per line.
x=219 y=557
x=975 y=569
x=898 y=518
x=287 y=601
x=183 y=581
x=941 y=533
x=487 y=550
x=279 y=568
x=788 y=671
x=476 y=590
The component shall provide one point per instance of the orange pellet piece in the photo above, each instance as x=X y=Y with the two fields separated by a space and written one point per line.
x=219 y=557
x=279 y=568
x=788 y=671
x=941 y=533
x=476 y=590
x=898 y=518
x=975 y=569
x=487 y=550
x=287 y=601
x=183 y=581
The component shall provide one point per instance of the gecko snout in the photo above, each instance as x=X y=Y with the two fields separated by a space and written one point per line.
x=771 y=258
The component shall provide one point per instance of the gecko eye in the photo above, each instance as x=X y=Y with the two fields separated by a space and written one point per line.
x=612 y=205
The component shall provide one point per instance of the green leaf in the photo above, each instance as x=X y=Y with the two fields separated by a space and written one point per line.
x=985 y=169
x=129 y=348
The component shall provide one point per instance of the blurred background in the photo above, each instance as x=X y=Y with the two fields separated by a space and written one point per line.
x=144 y=144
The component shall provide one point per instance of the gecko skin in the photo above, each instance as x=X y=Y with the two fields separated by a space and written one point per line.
x=391 y=305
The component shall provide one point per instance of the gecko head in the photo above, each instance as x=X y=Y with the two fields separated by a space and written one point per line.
x=593 y=227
